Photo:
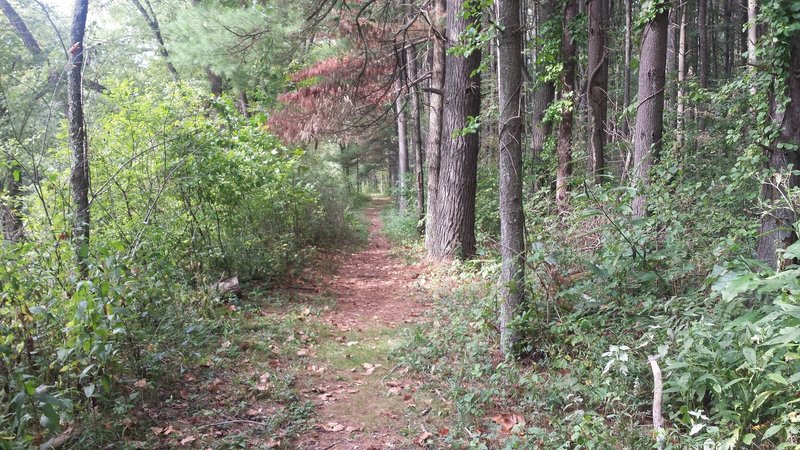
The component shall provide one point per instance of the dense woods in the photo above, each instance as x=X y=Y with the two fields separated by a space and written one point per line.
x=611 y=187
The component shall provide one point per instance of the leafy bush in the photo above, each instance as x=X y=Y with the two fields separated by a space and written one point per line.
x=180 y=200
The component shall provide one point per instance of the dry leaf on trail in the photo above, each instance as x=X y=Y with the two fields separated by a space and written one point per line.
x=444 y=431
x=189 y=378
x=226 y=344
x=422 y=438
x=306 y=311
x=156 y=430
x=215 y=384
x=508 y=421
x=315 y=369
x=351 y=429
x=252 y=412
x=395 y=390
x=369 y=368
x=351 y=343
x=188 y=439
x=333 y=427
x=140 y=384
x=272 y=443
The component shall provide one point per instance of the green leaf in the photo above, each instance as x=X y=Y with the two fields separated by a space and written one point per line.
x=750 y=356
x=772 y=431
x=777 y=378
x=760 y=399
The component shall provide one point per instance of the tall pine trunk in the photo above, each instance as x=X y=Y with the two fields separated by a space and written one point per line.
x=626 y=89
x=453 y=233
x=777 y=226
x=436 y=101
x=650 y=107
x=512 y=240
x=416 y=130
x=597 y=86
x=543 y=94
x=568 y=55
x=402 y=145
x=79 y=176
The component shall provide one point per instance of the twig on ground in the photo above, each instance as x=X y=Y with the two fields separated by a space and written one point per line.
x=390 y=372
x=658 y=388
x=228 y=422
x=61 y=439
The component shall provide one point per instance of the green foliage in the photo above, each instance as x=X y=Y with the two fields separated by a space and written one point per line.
x=180 y=200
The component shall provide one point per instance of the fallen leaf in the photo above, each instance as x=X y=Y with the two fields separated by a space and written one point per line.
x=395 y=390
x=252 y=412
x=508 y=421
x=333 y=427
x=444 y=431
x=422 y=438
x=140 y=384
x=156 y=430
x=302 y=352
x=188 y=439
x=272 y=443
x=350 y=429
x=351 y=343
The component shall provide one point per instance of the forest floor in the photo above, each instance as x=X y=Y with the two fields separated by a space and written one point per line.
x=309 y=366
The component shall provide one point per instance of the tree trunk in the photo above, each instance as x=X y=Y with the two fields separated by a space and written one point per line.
x=79 y=177
x=20 y=28
x=568 y=54
x=512 y=222
x=543 y=94
x=597 y=86
x=215 y=82
x=416 y=132
x=777 y=226
x=626 y=96
x=702 y=43
x=681 y=100
x=702 y=57
x=244 y=103
x=454 y=230
x=402 y=146
x=650 y=107
x=730 y=37
x=152 y=22
x=752 y=37
x=434 y=141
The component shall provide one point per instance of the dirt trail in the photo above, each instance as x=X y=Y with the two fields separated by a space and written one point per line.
x=325 y=340
x=363 y=400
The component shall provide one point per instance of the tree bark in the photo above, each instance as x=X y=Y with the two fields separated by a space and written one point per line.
x=681 y=99
x=626 y=96
x=543 y=94
x=568 y=54
x=454 y=230
x=777 y=225
x=597 y=86
x=416 y=132
x=702 y=42
x=79 y=176
x=436 y=101
x=152 y=22
x=20 y=28
x=402 y=146
x=512 y=221
x=650 y=107
x=752 y=37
